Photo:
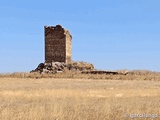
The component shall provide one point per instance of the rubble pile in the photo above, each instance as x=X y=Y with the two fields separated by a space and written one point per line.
x=55 y=67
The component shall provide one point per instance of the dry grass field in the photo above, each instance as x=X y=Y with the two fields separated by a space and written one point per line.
x=78 y=99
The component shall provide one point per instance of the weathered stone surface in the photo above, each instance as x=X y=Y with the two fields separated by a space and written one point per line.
x=55 y=67
x=58 y=44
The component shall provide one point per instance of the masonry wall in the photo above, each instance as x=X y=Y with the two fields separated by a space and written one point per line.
x=68 y=47
x=57 y=44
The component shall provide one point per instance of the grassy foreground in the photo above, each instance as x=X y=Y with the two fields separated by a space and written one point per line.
x=78 y=99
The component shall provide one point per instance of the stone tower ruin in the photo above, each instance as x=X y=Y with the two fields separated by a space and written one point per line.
x=58 y=44
x=58 y=52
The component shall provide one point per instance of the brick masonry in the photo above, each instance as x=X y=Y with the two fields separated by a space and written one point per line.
x=58 y=44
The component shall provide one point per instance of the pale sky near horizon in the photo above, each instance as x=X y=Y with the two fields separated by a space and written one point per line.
x=111 y=34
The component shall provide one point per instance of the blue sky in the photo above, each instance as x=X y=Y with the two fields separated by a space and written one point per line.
x=111 y=34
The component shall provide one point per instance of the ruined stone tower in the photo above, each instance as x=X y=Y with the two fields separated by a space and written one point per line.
x=58 y=44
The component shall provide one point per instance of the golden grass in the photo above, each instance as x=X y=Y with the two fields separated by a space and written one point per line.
x=132 y=75
x=77 y=99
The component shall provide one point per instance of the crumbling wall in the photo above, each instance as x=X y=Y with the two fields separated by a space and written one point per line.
x=68 y=47
x=58 y=43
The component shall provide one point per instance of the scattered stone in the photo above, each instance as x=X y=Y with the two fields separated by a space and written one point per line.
x=58 y=67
